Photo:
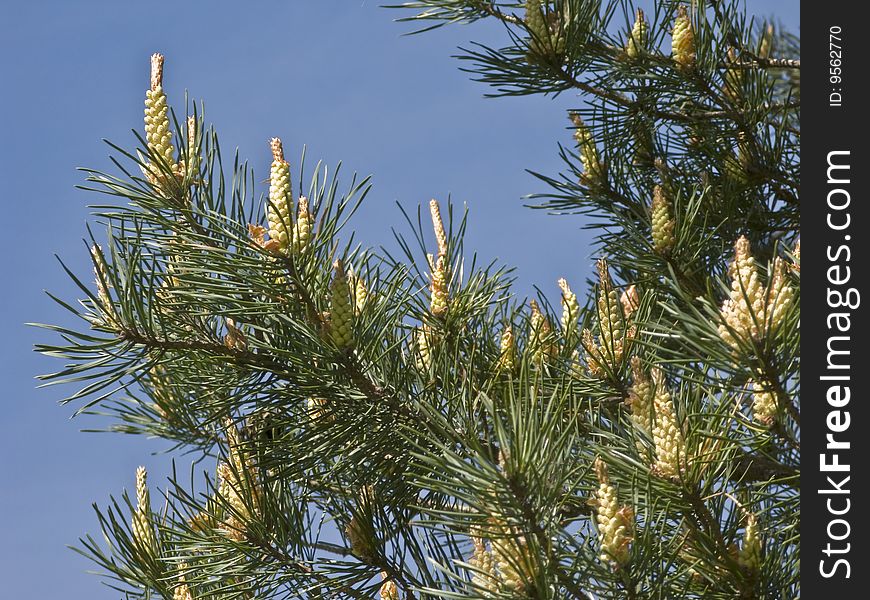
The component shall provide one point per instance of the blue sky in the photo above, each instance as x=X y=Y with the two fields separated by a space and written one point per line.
x=335 y=75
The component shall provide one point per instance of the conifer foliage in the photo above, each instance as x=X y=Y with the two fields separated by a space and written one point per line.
x=405 y=427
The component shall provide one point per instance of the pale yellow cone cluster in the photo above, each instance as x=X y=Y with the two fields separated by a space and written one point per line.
x=439 y=289
x=743 y=311
x=780 y=295
x=360 y=291
x=440 y=294
x=507 y=350
x=423 y=337
x=189 y=167
x=611 y=327
x=485 y=576
x=101 y=276
x=570 y=312
x=234 y=339
x=641 y=400
x=683 y=40
x=630 y=300
x=637 y=39
x=765 y=403
x=438 y=227
x=238 y=486
x=161 y=390
x=614 y=523
x=182 y=591
x=141 y=526
x=303 y=225
x=593 y=169
x=340 y=309
x=389 y=590
x=733 y=78
x=541 y=344
x=547 y=32
x=670 y=445
x=280 y=207
x=193 y=148
x=158 y=133
x=511 y=556
x=751 y=310
x=613 y=337
x=749 y=557
x=662 y=222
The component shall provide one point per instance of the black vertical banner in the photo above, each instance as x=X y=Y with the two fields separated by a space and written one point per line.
x=835 y=298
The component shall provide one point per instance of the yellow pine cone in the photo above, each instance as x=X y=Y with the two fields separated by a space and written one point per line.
x=765 y=403
x=662 y=222
x=511 y=556
x=105 y=312
x=637 y=40
x=641 y=400
x=593 y=170
x=141 y=526
x=535 y=21
x=749 y=556
x=615 y=525
x=423 y=351
x=683 y=40
x=670 y=446
x=161 y=390
x=302 y=226
x=194 y=155
x=750 y=312
x=389 y=590
x=438 y=287
x=540 y=334
x=507 y=350
x=630 y=301
x=610 y=319
x=341 y=309
x=780 y=296
x=438 y=226
x=547 y=32
x=486 y=575
x=280 y=207
x=360 y=291
x=182 y=591
x=570 y=312
x=158 y=132
x=238 y=486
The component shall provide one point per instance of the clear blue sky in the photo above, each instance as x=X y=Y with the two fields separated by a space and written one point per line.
x=335 y=75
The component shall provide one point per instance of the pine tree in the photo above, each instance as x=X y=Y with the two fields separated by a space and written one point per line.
x=406 y=427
